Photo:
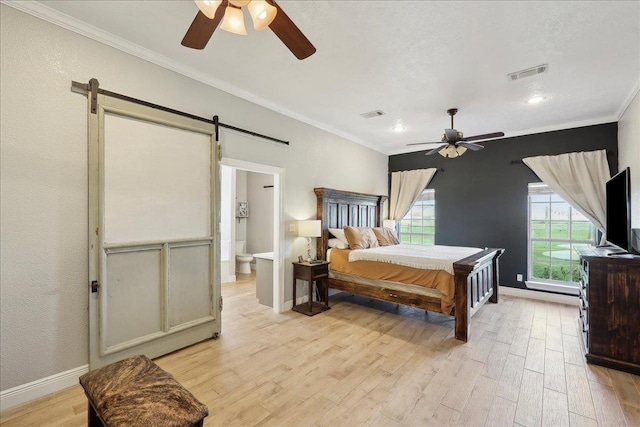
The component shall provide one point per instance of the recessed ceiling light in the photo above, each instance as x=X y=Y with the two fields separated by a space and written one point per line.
x=535 y=99
x=399 y=128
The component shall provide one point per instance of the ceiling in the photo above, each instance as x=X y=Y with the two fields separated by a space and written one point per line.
x=411 y=59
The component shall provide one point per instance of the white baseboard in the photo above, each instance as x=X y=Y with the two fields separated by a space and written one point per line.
x=26 y=392
x=553 y=287
x=541 y=296
x=228 y=279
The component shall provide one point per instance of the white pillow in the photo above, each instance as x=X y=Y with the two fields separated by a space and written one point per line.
x=337 y=243
x=339 y=233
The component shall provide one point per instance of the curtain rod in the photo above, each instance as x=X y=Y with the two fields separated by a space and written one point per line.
x=87 y=88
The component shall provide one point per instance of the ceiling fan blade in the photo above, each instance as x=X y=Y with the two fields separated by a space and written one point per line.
x=202 y=28
x=424 y=143
x=470 y=145
x=435 y=150
x=290 y=34
x=485 y=136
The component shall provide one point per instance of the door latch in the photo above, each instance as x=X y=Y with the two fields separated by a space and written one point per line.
x=94 y=286
x=220 y=303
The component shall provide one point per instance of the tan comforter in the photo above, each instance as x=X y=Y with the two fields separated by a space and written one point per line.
x=437 y=279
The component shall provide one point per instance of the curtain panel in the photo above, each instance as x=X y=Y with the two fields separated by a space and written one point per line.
x=579 y=178
x=406 y=187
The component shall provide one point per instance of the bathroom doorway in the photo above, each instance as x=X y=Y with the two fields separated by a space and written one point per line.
x=252 y=202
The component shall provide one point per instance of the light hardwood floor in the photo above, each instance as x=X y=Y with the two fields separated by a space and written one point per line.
x=377 y=365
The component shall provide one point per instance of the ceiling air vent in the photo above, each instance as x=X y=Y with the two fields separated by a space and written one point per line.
x=528 y=72
x=370 y=114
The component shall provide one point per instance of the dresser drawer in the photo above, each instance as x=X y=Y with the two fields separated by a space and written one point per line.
x=584 y=269
x=584 y=314
x=585 y=339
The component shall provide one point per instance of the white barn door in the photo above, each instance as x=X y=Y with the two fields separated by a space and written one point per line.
x=154 y=218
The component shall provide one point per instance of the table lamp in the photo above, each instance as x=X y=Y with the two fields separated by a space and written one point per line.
x=309 y=228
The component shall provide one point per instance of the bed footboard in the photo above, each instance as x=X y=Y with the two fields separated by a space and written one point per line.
x=476 y=279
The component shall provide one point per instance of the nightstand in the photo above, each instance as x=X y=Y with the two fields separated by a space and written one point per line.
x=318 y=273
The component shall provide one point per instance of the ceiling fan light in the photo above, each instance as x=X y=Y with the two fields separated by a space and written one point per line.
x=234 y=21
x=452 y=151
x=448 y=151
x=239 y=3
x=262 y=13
x=208 y=7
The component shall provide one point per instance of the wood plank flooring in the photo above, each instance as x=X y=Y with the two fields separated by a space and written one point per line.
x=375 y=364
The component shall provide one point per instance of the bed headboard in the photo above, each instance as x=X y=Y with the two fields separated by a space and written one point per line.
x=338 y=208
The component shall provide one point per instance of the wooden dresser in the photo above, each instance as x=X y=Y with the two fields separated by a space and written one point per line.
x=610 y=309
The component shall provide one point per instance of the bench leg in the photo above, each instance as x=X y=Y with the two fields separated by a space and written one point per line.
x=93 y=420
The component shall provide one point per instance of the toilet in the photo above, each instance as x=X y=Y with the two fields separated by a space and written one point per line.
x=243 y=259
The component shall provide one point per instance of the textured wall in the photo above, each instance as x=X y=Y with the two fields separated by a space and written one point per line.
x=481 y=199
x=44 y=184
x=629 y=154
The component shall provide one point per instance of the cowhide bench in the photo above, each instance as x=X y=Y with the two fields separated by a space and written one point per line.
x=136 y=392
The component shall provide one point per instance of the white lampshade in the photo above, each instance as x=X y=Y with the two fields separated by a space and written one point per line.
x=310 y=228
x=262 y=13
x=389 y=223
x=208 y=7
x=234 y=21
x=452 y=151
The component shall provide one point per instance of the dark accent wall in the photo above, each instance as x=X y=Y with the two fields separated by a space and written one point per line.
x=481 y=198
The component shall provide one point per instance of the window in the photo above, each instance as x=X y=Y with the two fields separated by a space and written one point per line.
x=556 y=229
x=418 y=225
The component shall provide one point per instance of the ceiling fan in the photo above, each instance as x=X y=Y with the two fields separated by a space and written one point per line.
x=264 y=13
x=455 y=143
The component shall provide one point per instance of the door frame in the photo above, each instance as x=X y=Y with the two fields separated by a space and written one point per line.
x=278 y=229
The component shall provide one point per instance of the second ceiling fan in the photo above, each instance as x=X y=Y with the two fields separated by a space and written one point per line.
x=455 y=143
x=264 y=13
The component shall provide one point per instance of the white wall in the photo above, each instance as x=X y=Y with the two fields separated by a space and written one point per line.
x=43 y=178
x=629 y=153
x=260 y=221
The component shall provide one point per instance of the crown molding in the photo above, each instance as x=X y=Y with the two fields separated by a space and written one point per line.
x=627 y=101
x=60 y=19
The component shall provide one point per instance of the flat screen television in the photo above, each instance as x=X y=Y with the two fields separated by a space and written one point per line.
x=619 y=210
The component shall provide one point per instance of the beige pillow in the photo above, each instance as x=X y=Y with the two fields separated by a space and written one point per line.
x=337 y=243
x=386 y=236
x=339 y=234
x=360 y=237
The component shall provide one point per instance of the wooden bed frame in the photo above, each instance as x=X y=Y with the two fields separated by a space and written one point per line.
x=476 y=277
